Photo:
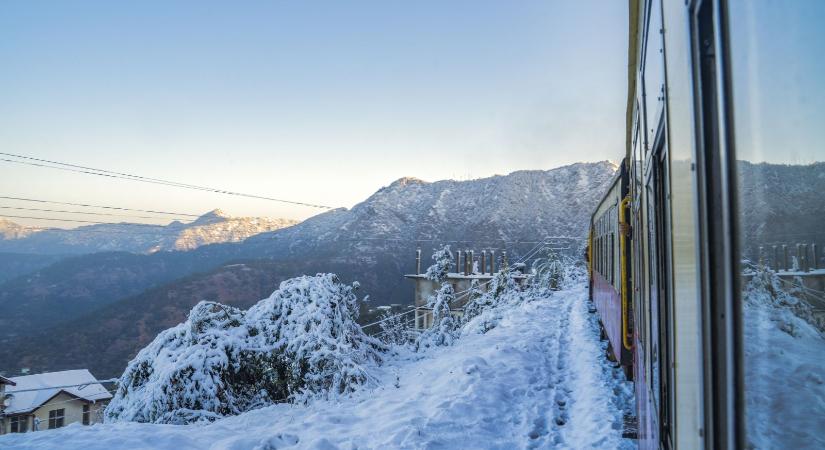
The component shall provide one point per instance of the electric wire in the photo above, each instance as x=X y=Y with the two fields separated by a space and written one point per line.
x=81 y=221
x=50 y=164
x=86 y=205
x=87 y=213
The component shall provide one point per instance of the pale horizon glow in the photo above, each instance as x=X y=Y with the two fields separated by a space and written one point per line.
x=318 y=102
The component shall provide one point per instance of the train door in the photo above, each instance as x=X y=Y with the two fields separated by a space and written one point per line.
x=660 y=304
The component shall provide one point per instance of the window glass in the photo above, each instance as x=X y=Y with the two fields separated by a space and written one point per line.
x=56 y=418
x=19 y=424
x=778 y=75
x=653 y=71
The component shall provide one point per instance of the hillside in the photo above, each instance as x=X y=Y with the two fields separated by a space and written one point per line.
x=104 y=340
x=373 y=243
x=210 y=228
x=776 y=198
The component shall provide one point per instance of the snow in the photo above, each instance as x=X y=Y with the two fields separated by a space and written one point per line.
x=26 y=401
x=784 y=373
x=536 y=380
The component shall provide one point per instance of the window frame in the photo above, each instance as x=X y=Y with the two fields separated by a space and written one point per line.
x=18 y=424
x=57 y=418
x=717 y=224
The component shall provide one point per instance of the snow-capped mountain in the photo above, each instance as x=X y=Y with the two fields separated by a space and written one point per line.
x=11 y=230
x=496 y=212
x=212 y=227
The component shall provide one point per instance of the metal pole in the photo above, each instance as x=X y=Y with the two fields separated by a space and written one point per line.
x=472 y=261
x=815 y=262
x=492 y=262
x=761 y=259
x=804 y=262
x=458 y=261
x=483 y=262
x=418 y=262
x=785 y=257
x=798 y=257
x=775 y=258
x=466 y=262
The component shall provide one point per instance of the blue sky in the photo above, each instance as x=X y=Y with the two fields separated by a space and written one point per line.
x=322 y=102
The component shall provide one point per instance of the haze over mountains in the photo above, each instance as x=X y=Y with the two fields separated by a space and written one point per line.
x=106 y=306
x=210 y=228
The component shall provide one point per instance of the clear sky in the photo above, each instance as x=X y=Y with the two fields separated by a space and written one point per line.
x=321 y=102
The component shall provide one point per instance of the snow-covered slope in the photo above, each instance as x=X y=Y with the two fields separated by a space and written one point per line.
x=213 y=227
x=537 y=380
x=482 y=213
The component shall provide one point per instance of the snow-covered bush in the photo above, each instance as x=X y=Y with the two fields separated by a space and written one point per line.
x=301 y=341
x=441 y=267
x=482 y=313
x=556 y=272
x=765 y=288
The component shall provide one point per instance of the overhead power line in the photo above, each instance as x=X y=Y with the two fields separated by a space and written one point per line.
x=86 y=205
x=45 y=163
x=87 y=213
x=82 y=221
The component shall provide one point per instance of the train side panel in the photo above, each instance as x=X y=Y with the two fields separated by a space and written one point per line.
x=608 y=264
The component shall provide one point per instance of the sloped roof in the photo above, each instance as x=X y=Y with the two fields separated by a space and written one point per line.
x=24 y=399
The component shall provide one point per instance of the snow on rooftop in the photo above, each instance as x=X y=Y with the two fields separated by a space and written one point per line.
x=51 y=381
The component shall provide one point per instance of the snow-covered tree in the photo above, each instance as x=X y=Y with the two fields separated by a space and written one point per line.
x=204 y=368
x=441 y=267
x=479 y=300
x=312 y=321
x=444 y=329
x=301 y=341
x=394 y=330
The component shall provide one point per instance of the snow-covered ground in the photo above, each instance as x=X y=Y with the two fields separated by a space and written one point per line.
x=537 y=380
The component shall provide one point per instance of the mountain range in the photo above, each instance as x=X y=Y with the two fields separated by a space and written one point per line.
x=210 y=228
x=104 y=306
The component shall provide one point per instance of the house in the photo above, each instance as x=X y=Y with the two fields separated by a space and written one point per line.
x=52 y=400
x=3 y=383
x=469 y=270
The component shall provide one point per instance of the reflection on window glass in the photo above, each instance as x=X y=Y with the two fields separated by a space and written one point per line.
x=778 y=76
x=654 y=72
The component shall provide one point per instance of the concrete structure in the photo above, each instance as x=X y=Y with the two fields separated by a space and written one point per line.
x=468 y=267
x=52 y=400
x=425 y=288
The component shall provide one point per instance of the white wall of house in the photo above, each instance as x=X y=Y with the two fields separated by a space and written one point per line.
x=72 y=412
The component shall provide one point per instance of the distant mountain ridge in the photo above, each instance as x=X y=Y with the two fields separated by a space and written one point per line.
x=210 y=228
x=372 y=243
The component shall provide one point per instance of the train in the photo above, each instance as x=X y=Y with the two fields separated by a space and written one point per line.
x=671 y=245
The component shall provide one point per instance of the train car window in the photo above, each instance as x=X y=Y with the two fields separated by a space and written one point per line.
x=777 y=74
x=653 y=71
